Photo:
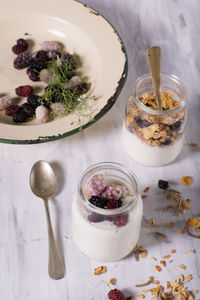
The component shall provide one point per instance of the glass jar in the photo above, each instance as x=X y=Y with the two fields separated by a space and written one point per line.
x=107 y=234
x=150 y=136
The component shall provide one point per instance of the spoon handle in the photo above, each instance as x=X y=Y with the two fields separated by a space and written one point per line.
x=154 y=59
x=56 y=266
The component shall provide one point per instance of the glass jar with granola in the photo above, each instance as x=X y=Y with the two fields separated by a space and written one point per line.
x=150 y=136
x=107 y=212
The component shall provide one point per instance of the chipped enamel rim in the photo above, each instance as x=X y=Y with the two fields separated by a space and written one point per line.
x=114 y=54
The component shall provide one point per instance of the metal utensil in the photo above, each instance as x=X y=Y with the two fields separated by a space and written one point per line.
x=154 y=60
x=43 y=185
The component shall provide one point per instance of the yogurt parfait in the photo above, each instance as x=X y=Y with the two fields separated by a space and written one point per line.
x=107 y=212
x=150 y=136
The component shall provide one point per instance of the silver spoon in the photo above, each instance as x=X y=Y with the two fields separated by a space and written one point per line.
x=43 y=185
x=154 y=60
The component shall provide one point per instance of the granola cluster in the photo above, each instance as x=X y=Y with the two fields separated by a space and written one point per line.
x=155 y=130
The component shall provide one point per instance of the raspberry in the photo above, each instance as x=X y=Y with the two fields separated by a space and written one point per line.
x=32 y=74
x=42 y=55
x=121 y=220
x=96 y=185
x=111 y=192
x=24 y=91
x=115 y=295
x=17 y=49
x=10 y=110
x=33 y=100
x=42 y=114
x=50 y=46
x=98 y=201
x=5 y=101
x=23 y=60
x=162 y=184
x=28 y=109
x=95 y=218
x=22 y=43
x=112 y=204
x=19 y=116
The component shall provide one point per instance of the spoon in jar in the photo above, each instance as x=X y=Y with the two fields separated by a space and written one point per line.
x=154 y=59
x=43 y=185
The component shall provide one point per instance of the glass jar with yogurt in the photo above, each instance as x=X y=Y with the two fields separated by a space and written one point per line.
x=150 y=136
x=107 y=212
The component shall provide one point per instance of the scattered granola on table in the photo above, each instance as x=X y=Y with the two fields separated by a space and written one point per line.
x=99 y=270
x=139 y=251
x=186 y=180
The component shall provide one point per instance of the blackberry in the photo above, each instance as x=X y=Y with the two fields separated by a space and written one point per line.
x=11 y=110
x=115 y=295
x=16 y=49
x=142 y=123
x=42 y=55
x=163 y=184
x=121 y=221
x=38 y=64
x=33 y=74
x=24 y=91
x=68 y=57
x=23 y=60
x=95 y=218
x=22 y=43
x=33 y=100
x=98 y=201
x=28 y=109
x=19 y=116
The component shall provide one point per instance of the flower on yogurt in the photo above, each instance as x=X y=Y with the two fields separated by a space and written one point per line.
x=96 y=185
x=115 y=192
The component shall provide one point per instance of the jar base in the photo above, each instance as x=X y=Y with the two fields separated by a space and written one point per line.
x=152 y=156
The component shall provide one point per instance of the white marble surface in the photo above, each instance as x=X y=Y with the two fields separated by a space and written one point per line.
x=175 y=26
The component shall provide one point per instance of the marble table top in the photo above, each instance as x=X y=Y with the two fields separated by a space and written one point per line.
x=174 y=26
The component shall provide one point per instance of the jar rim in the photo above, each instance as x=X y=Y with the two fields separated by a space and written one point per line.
x=110 y=165
x=157 y=112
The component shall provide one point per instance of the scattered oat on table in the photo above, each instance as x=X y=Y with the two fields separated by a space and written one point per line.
x=167 y=285
x=166 y=256
x=112 y=281
x=191 y=251
x=188 y=277
x=181 y=231
x=173 y=251
x=182 y=278
x=186 y=180
x=144 y=291
x=153 y=258
x=182 y=266
x=155 y=282
x=193 y=145
x=195 y=292
x=146 y=189
x=169 y=261
x=99 y=270
x=162 y=263
x=141 y=296
x=143 y=196
x=158 y=268
x=169 y=224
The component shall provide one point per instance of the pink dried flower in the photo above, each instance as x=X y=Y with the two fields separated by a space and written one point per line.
x=5 y=101
x=96 y=185
x=42 y=114
x=51 y=46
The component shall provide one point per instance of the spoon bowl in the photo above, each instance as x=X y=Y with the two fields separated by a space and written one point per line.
x=43 y=185
x=42 y=180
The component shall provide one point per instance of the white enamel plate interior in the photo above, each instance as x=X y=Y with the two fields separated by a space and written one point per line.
x=83 y=32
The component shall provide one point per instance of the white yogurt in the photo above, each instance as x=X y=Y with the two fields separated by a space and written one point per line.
x=149 y=155
x=104 y=241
